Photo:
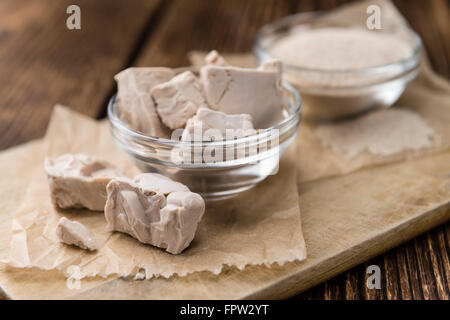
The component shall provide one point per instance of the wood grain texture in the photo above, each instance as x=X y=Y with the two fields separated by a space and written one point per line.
x=43 y=63
x=432 y=23
x=204 y=25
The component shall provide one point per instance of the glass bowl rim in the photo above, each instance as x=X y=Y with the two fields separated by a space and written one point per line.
x=116 y=122
x=259 y=50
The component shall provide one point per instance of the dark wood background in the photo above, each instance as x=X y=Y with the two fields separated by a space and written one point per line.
x=43 y=63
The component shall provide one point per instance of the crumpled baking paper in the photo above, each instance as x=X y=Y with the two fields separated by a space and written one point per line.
x=15 y=170
x=260 y=227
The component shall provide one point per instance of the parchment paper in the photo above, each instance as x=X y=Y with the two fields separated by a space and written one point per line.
x=262 y=226
x=15 y=170
x=428 y=96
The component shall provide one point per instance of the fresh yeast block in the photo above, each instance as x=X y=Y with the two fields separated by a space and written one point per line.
x=79 y=181
x=155 y=210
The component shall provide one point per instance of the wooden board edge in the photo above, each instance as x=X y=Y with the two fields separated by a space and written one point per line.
x=293 y=284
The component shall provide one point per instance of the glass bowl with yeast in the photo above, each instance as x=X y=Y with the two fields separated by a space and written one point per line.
x=340 y=68
x=218 y=129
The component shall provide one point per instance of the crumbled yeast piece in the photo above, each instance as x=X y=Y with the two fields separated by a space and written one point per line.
x=234 y=90
x=178 y=99
x=213 y=57
x=271 y=65
x=74 y=233
x=155 y=210
x=135 y=101
x=79 y=181
x=227 y=126
x=140 y=275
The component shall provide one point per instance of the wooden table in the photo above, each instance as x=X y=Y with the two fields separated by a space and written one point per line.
x=43 y=63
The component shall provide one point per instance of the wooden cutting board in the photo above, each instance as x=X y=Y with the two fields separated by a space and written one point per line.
x=346 y=220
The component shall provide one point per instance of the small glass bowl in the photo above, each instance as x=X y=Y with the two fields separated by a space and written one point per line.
x=216 y=180
x=337 y=94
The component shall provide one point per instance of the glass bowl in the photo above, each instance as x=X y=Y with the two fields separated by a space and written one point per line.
x=335 y=94
x=244 y=162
